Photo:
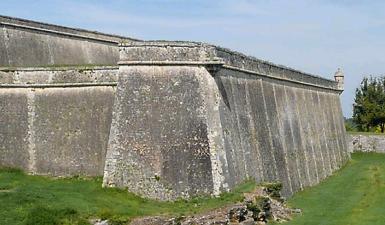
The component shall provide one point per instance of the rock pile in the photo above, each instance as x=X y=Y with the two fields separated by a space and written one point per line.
x=262 y=205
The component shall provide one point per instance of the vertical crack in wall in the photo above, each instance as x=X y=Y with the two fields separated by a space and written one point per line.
x=31 y=130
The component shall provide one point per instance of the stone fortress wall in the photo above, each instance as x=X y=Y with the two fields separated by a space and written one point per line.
x=55 y=118
x=56 y=121
x=165 y=119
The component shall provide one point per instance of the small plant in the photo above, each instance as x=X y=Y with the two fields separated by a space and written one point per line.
x=254 y=209
x=273 y=190
x=118 y=220
x=179 y=219
x=260 y=208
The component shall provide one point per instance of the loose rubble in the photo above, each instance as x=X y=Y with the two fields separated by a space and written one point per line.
x=259 y=207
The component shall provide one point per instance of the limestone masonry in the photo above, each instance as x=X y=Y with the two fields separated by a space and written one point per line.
x=164 y=119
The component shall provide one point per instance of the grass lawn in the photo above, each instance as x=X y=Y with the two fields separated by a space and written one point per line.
x=37 y=200
x=354 y=195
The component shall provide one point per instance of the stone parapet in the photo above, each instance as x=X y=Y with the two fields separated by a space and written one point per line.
x=196 y=53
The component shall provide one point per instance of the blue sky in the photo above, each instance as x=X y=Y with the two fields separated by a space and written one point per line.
x=314 y=36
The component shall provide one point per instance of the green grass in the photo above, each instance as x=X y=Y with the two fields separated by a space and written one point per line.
x=364 y=133
x=38 y=200
x=355 y=195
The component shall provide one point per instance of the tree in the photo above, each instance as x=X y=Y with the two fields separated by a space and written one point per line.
x=369 y=104
x=350 y=125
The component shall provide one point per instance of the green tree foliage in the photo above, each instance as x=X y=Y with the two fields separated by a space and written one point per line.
x=350 y=125
x=369 y=105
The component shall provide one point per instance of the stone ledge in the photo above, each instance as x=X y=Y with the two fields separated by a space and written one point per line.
x=58 y=77
x=58 y=85
x=59 y=68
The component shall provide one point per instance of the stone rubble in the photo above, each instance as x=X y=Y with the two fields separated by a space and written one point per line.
x=258 y=207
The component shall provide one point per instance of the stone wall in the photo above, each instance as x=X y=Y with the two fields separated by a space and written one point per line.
x=158 y=142
x=56 y=122
x=366 y=143
x=191 y=118
x=28 y=43
x=270 y=131
x=172 y=119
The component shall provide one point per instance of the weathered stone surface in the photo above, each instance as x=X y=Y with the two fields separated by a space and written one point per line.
x=14 y=126
x=159 y=143
x=28 y=43
x=263 y=122
x=366 y=143
x=58 y=130
x=23 y=77
x=71 y=128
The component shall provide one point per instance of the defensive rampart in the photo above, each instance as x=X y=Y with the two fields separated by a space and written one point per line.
x=191 y=118
x=170 y=119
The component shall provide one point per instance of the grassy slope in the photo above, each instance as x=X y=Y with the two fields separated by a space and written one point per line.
x=36 y=200
x=354 y=195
